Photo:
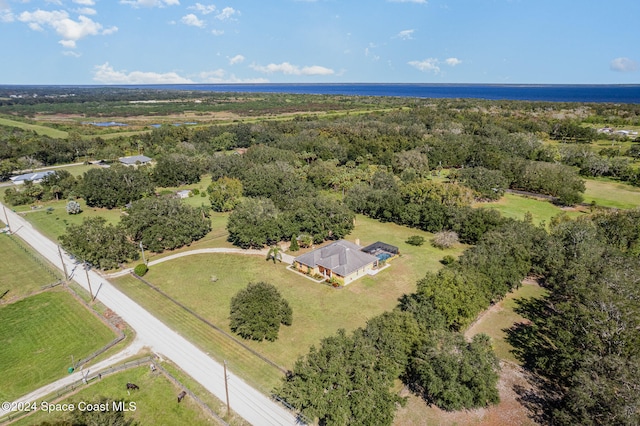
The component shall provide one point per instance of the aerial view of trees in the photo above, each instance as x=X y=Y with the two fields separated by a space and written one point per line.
x=425 y=164
x=161 y=223
x=115 y=186
x=257 y=312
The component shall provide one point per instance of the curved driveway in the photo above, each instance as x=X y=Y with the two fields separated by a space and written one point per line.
x=246 y=401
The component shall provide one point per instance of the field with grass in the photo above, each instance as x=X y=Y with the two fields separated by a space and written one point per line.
x=52 y=218
x=23 y=272
x=608 y=193
x=38 y=336
x=39 y=129
x=155 y=401
x=318 y=310
x=516 y=207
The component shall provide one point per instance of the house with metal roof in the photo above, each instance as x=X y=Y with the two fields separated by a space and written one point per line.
x=135 y=160
x=341 y=261
x=31 y=177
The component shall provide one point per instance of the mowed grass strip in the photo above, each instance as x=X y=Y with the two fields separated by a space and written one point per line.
x=23 y=271
x=614 y=194
x=155 y=401
x=38 y=336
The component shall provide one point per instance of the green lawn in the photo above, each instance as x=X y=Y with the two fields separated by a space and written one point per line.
x=609 y=193
x=23 y=272
x=516 y=206
x=53 y=223
x=501 y=316
x=41 y=130
x=38 y=336
x=155 y=401
x=318 y=310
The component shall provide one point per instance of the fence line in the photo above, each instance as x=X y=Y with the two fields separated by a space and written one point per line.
x=198 y=401
x=210 y=324
x=44 y=264
x=85 y=381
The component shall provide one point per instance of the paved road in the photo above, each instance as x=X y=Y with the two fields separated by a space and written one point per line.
x=249 y=403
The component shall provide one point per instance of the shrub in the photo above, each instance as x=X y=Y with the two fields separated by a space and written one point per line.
x=444 y=239
x=294 y=244
x=140 y=269
x=73 y=207
x=448 y=260
x=415 y=240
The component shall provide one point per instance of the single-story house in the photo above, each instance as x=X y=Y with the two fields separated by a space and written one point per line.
x=185 y=193
x=342 y=261
x=135 y=160
x=32 y=177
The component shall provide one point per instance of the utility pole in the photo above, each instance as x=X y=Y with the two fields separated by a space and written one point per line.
x=86 y=271
x=226 y=387
x=142 y=249
x=6 y=217
x=64 y=267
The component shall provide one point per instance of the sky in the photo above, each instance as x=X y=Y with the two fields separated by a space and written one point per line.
x=86 y=42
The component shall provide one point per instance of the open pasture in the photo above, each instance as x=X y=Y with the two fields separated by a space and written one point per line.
x=155 y=401
x=39 y=336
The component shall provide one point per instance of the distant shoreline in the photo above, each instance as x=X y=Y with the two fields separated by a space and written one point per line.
x=599 y=93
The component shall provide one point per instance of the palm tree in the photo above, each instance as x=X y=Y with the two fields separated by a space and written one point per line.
x=275 y=253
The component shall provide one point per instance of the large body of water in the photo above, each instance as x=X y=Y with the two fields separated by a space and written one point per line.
x=551 y=93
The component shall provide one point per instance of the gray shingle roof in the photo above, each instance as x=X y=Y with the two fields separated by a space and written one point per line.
x=31 y=176
x=342 y=257
x=134 y=159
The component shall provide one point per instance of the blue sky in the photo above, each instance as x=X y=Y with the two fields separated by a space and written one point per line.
x=319 y=41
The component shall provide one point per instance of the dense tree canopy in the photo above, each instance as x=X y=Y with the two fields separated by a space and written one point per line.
x=99 y=243
x=165 y=223
x=114 y=186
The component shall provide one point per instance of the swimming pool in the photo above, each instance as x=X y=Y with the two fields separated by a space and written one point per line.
x=382 y=256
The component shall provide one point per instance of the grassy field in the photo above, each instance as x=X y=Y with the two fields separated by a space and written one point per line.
x=318 y=310
x=609 y=193
x=22 y=272
x=53 y=223
x=516 y=206
x=41 y=130
x=155 y=401
x=38 y=336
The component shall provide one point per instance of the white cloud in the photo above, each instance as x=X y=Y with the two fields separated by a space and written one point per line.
x=69 y=44
x=192 y=20
x=406 y=34
x=71 y=31
x=6 y=16
x=220 y=76
x=427 y=65
x=227 y=13
x=87 y=11
x=71 y=53
x=236 y=59
x=287 y=68
x=203 y=8
x=452 y=62
x=106 y=74
x=85 y=2
x=623 y=65
x=150 y=3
